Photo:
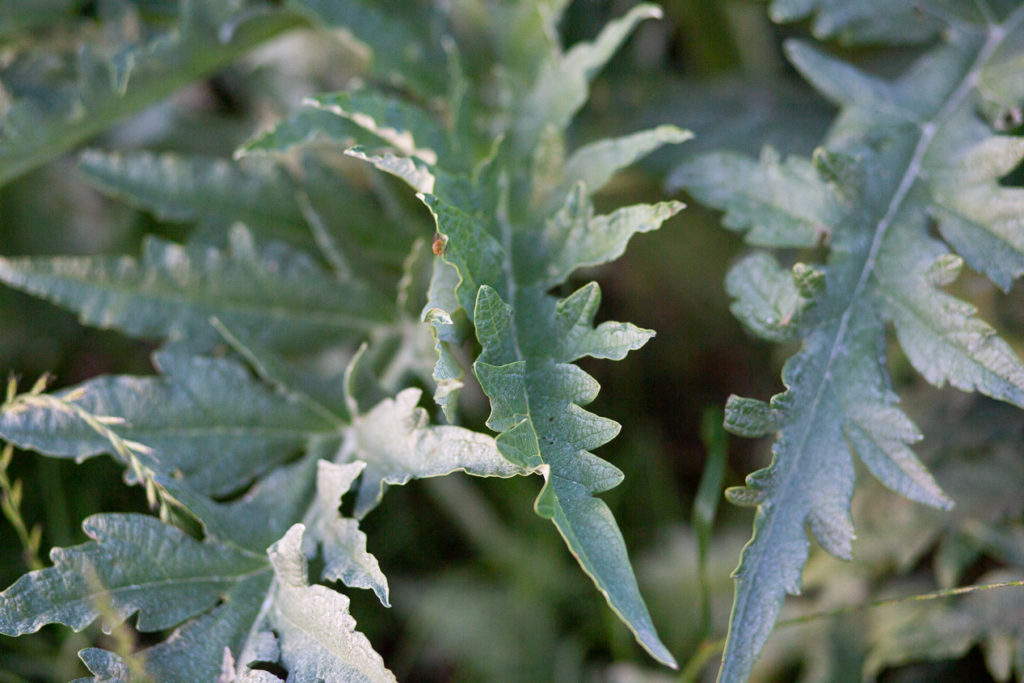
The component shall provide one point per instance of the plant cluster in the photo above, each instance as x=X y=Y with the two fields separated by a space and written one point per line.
x=427 y=224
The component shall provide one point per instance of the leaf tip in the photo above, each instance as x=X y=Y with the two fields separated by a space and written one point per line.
x=743 y=496
x=670 y=134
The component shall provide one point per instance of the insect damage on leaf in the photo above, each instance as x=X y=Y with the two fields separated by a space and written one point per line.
x=438 y=245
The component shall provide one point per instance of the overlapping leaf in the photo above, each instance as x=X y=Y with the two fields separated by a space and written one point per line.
x=212 y=591
x=876 y=21
x=170 y=579
x=510 y=227
x=198 y=408
x=393 y=440
x=269 y=293
x=316 y=635
x=506 y=256
x=105 y=82
x=306 y=203
x=874 y=202
x=215 y=591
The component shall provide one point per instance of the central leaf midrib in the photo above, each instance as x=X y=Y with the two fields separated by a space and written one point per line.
x=257 y=431
x=301 y=313
x=577 y=548
x=174 y=582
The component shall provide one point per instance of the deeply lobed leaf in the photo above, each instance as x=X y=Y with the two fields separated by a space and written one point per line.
x=113 y=73
x=874 y=202
x=275 y=295
x=172 y=578
x=198 y=407
x=510 y=227
x=215 y=592
x=507 y=237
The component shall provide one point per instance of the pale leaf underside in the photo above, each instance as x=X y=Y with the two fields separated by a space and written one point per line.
x=94 y=580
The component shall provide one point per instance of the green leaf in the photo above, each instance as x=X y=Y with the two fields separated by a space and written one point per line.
x=177 y=188
x=222 y=594
x=172 y=577
x=595 y=164
x=50 y=116
x=578 y=238
x=268 y=293
x=277 y=500
x=297 y=322
x=776 y=204
x=506 y=254
x=536 y=396
x=303 y=202
x=562 y=86
x=875 y=203
x=442 y=313
x=302 y=129
x=405 y=127
x=874 y=21
x=749 y=417
x=975 y=215
x=323 y=392
x=216 y=588
x=759 y=287
x=197 y=406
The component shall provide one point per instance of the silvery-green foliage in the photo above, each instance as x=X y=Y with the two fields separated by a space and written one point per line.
x=59 y=89
x=924 y=150
x=295 y=320
x=512 y=225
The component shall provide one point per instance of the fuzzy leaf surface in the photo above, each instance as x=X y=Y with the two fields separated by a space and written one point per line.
x=270 y=293
x=197 y=407
x=215 y=592
x=394 y=440
x=47 y=116
x=219 y=593
x=173 y=578
x=317 y=636
x=875 y=203
x=507 y=250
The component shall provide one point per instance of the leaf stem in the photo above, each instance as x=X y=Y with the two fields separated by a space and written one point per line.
x=705 y=505
x=886 y=602
x=709 y=648
x=10 y=505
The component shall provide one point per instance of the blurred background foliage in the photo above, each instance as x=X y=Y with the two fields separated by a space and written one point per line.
x=483 y=590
